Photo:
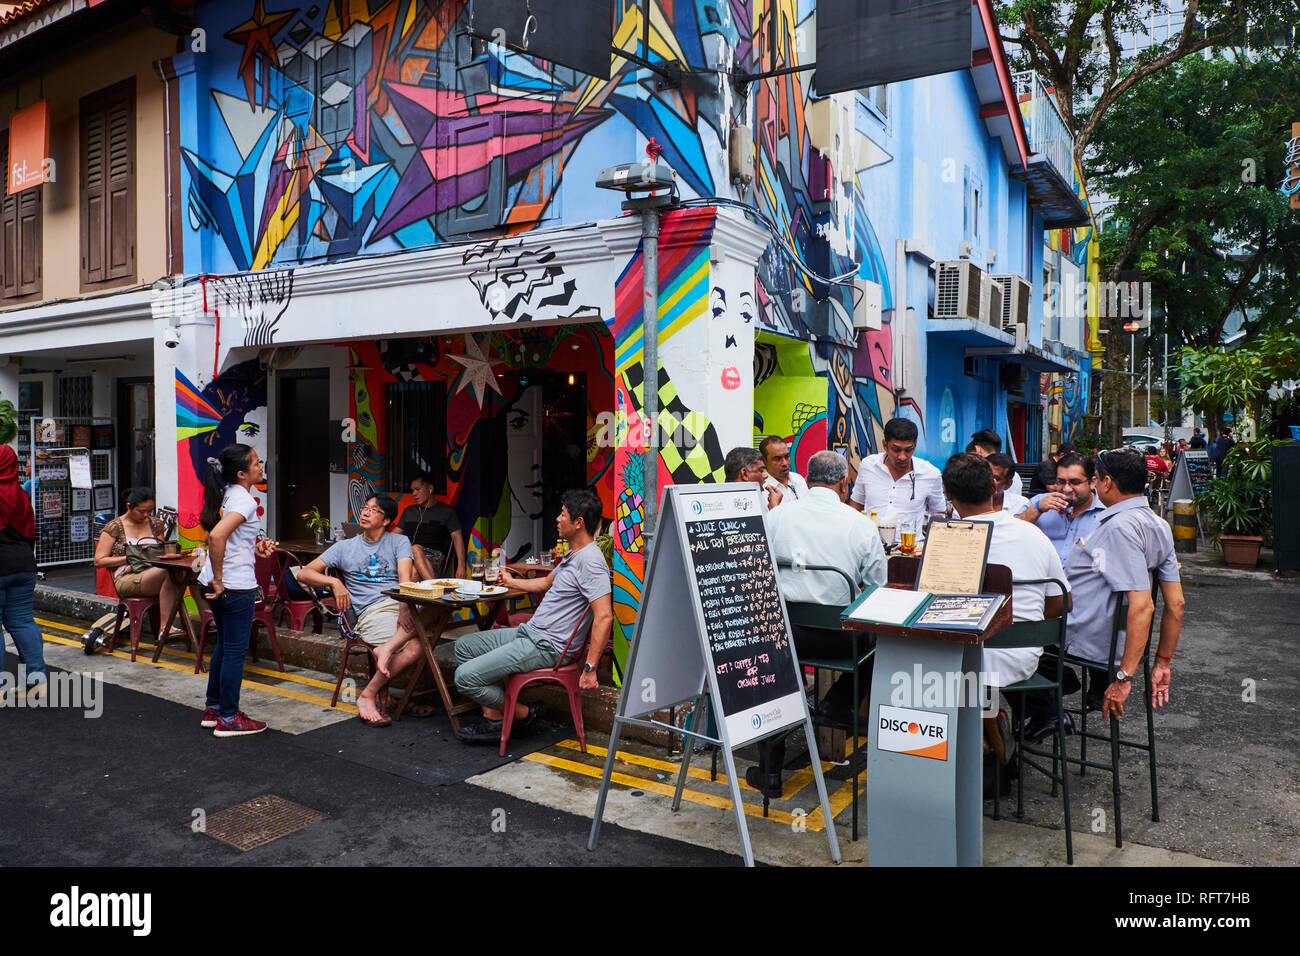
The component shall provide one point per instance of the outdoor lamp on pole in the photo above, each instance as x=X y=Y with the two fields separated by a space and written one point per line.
x=649 y=186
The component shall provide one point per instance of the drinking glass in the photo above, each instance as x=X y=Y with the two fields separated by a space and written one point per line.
x=548 y=558
x=490 y=572
x=476 y=567
x=907 y=535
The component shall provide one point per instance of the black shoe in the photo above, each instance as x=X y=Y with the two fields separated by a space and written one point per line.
x=754 y=777
x=481 y=731
x=531 y=723
x=1040 y=728
x=826 y=715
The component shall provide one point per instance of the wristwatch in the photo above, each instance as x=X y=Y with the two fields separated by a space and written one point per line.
x=1122 y=676
x=587 y=668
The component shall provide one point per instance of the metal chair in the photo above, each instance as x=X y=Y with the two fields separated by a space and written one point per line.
x=826 y=617
x=1044 y=634
x=264 y=570
x=567 y=675
x=1115 y=740
x=352 y=645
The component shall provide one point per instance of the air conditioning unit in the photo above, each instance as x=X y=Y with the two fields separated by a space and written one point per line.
x=959 y=290
x=867 y=299
x=992 y=304
x=1015 y=304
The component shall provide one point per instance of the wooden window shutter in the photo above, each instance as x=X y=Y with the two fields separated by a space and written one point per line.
x=29 y=240
x=108 y=235
x=9 y=230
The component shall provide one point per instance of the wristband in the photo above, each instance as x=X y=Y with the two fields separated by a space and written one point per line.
x=1161 y=657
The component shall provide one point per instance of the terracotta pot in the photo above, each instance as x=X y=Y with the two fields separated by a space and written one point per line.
x=1241 y=550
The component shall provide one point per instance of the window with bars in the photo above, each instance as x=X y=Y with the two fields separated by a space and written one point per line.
x=76 y=396
x=417 y=433
x=20 y=236
x=107 y=171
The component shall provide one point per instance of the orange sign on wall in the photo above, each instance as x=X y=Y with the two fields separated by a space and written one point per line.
x=29 y=145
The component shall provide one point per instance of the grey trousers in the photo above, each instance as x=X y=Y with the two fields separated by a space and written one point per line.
x=489 y=657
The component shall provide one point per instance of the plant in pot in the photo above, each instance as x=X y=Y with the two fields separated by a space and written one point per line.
x=1238 y=503
x=317 y=523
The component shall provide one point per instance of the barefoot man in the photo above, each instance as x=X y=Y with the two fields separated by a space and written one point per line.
x=371 y=563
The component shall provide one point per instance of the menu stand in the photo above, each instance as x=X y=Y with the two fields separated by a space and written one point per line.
x=925 y=806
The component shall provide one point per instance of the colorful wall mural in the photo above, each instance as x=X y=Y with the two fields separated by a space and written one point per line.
x=228 y=410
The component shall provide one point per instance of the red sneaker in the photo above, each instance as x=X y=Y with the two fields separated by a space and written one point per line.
x=210 y=717
x=241 y=726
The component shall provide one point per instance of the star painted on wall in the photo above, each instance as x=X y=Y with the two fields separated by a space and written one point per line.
x=256 y=34
x=478 y=376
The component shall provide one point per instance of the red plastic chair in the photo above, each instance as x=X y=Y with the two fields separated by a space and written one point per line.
x=352 y=645
x=297 y=610
x=263 y=570
x=567 y=674
x=136 y=609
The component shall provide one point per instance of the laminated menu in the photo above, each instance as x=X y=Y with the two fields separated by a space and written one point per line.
x=898 y=607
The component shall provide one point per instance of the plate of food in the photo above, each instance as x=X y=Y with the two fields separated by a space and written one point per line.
x=490 y=590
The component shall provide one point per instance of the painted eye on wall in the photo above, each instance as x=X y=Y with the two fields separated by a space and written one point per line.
x=251 y=429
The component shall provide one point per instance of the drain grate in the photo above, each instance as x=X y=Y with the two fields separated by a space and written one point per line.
x=257 y=822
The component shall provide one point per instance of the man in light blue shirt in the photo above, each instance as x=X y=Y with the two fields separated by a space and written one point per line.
x=1071 y=512
x=1117 y=558
x=818 y=528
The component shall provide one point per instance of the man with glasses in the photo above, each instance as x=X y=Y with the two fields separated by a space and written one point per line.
x=371 y=563
x=1116 y=558
x=1070 y=512
x=895 y=481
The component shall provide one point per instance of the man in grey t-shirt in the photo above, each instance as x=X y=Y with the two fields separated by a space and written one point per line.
x=580 y=581
x=371 y=563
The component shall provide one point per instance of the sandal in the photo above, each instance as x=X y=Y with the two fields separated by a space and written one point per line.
x=383 y=721
x=416 y=710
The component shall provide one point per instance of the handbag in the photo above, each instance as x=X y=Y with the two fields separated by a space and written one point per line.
x=138 y=556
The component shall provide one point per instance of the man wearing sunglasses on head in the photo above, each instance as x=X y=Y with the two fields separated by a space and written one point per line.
x=1116 y=559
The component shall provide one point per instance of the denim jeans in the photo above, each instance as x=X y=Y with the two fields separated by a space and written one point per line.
x=18 y=615
x=489 y=657
x=233 y=614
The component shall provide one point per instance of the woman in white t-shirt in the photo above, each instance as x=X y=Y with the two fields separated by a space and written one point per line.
x=229 y=516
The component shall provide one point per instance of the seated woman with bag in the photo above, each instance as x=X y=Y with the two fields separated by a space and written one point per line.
x=124 y=544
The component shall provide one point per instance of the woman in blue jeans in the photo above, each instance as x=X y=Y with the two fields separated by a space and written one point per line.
x=18 y=574
x=229 y=516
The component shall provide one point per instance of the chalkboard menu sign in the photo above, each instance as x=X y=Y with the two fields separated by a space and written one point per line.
x=1199 y=469
x=741 y=606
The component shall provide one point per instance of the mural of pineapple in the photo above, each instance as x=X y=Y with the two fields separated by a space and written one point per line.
x=629 y=513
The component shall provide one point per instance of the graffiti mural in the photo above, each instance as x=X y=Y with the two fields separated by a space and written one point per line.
x=230 y=409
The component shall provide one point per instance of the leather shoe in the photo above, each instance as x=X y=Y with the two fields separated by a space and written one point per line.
x=481 y=731
x=531 y=723
x=1040 y=728
x=772 y=789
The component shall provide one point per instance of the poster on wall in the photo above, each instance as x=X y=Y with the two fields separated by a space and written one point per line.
x=104 y=498
x=81 y=436
x=79 y=529
x=80 y=472
x=51 y=473
x=51 y=504
x=103 y=437
x=80 y=499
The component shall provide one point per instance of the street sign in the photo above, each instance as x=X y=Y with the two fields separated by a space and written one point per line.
x=712 y=630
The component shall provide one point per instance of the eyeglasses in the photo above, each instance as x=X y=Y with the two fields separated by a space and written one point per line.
x=372 y=508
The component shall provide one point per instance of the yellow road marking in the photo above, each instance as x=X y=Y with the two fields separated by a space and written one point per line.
x=255 y=685
x=654 y=786
x=248 y=668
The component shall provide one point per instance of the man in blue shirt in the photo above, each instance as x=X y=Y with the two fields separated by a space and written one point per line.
x=1071 y=512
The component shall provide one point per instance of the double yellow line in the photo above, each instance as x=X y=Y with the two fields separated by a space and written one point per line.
x=276 y=689
x=813 y=821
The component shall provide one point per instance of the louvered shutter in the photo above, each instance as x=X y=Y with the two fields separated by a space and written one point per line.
x=9 y=229
x=108 y=184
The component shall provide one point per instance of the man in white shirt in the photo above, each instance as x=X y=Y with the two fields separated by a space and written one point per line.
x=894 y=483
x=1004 y=469
x=819 y=529
x=745 y=464
x=968 y=482
x=986 y=442
x=782 y=483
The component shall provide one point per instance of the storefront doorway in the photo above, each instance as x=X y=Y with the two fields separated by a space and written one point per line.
x=299 y=466
x=135 y=448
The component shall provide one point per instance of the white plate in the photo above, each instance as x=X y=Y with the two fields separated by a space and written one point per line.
x=487 y=591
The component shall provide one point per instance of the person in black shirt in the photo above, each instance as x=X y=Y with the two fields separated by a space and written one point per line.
x=434 y=530
x=1198 y=440
x=18 y=574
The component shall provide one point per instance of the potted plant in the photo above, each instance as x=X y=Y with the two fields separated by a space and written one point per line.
x=8 y=422
x=1238 y=504
x=317 y=523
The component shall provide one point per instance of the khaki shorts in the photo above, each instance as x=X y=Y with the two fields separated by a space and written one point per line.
x=128 y=584
x=378 y=623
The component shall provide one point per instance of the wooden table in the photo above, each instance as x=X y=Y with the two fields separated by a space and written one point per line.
x=181 y=569
x=442 y=611
x=304 y=546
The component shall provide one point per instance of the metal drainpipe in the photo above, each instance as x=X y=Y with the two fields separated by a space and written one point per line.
x=650 y=363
